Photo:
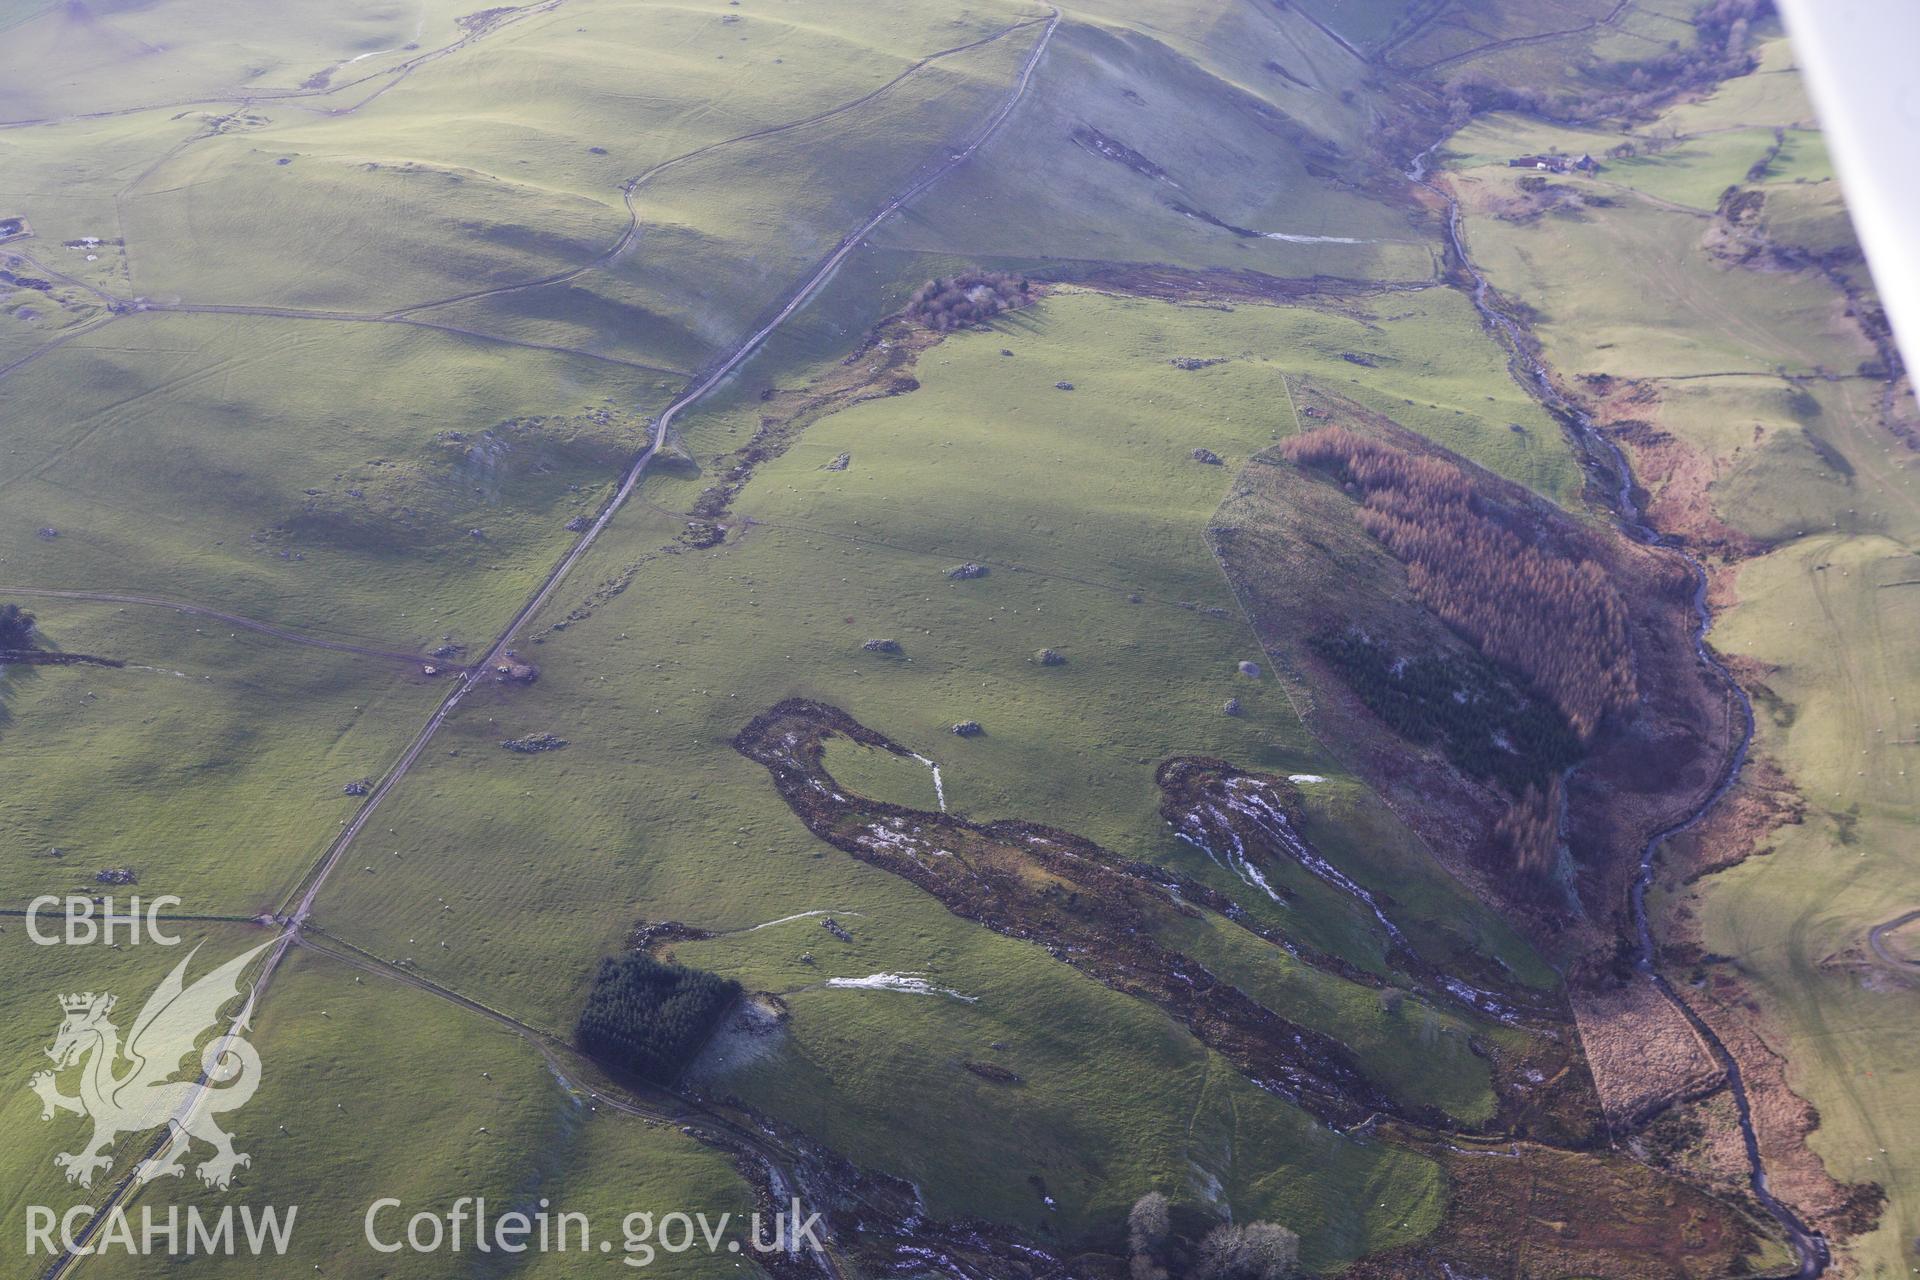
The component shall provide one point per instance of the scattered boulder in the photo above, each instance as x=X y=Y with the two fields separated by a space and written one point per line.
x=49 y=533
x=967 y=570
x=512 y=669
x=1190 y=363
x=840 y=462
x=1063 y=386
x=479 y=534
x=882 y=645
x=837 y=929
x=534 y=743
x=1251 y=670
x=448 y=650
x=1232 y=708
x=1134 y=597
x=1050 y=658
x=701 y=534
x=1006 y=351
x=968 y=729
x=655 y=936
x=116 y=875
x=1207 y=456
x=1355 y=357
x=358 y=787
x=992 y=1071
x=579 y=524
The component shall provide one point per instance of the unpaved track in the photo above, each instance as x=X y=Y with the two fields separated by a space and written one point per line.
x=1516 y=42
x=569 y=1067
x=399 y=71
x=77 y=331
x=121 y=307
x=634 y=474
x=631 y=235
x=349 y=317
x=295 y=919
x=1877 y=939
x=217 y=615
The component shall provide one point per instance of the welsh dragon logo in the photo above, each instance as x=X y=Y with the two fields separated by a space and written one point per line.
x=138 y=1085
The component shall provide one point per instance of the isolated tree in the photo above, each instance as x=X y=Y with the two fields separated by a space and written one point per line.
x=1148 y=1226
x=16 y=627
x=1149 y=1222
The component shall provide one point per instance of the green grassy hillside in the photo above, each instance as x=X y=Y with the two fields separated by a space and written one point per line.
x=347 y=322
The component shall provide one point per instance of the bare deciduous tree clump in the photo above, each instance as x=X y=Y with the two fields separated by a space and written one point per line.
x=1250 y=1251
x=1256 y=1251
x=954 y=302
x=1149 y=1222
x=1148 y=1226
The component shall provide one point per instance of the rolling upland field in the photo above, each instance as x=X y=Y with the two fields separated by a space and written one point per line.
x=1711 y=289
x=798 y=495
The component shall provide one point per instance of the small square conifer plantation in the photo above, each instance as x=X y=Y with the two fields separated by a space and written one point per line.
x=648 y=1019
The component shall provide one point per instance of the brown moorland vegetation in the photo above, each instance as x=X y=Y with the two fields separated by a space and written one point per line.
x=1101 y=912
x=1118 y=921
x=1491 y=783
x=1530 y=1210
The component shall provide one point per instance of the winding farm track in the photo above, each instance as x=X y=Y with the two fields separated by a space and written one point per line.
x=570 y=1068
x=1324 y=29
x=217 y=615
x=1544 y=37
x=77 y=331
x=399 y=71
x=349 y=317
x=713 y=378
x=122 y=307
x=632 y=233
x=1877 y=939
x=296 y=916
